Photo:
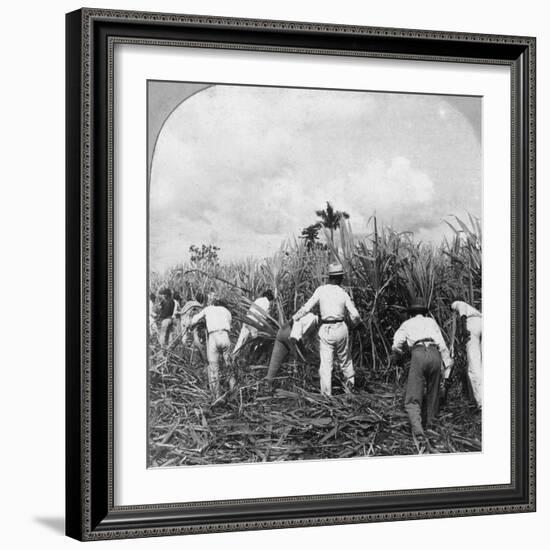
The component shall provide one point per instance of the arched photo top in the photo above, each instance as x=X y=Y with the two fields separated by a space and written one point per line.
x=163 y=98
x=247 y=167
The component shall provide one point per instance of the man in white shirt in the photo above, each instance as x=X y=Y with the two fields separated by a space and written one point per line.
x=334 y=303
x=473 y=346
x=247 y=331
x=428 y=351
x=218 y=325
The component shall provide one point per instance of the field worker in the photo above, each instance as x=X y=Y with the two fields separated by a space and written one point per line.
x=218 y=324
x=247 y=331
x=289 y=337
x=428 y=350
x=473 y=346
x=164 y=315
x=334 y=302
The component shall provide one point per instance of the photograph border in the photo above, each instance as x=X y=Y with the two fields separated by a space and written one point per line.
x=150 y=154
x=90 y=40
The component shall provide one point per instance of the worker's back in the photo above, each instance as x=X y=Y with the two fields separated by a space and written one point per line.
x=217 y=318
x=418 y=328
x=334 y=301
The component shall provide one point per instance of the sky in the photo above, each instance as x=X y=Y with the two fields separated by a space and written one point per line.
x=245 y=168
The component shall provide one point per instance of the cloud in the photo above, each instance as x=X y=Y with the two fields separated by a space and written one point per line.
x=246 y=167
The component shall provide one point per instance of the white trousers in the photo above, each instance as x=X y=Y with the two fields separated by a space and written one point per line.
x=218 y=347
x=473 y=353
x=333 y=347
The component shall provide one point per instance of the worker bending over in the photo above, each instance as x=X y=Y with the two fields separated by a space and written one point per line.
x=428 y=350
x=218 y=325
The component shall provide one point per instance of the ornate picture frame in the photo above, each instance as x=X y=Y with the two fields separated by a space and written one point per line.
x=90 y=255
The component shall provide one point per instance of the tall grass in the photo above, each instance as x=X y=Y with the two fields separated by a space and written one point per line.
x=385 y=270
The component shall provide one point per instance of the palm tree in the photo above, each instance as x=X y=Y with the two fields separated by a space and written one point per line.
x=331 y=219
x=310 y=234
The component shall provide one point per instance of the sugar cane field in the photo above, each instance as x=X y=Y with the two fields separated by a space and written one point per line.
x=293 y=420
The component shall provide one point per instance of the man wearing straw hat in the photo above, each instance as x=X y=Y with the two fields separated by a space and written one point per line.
x=429 y=353
x=334 y=303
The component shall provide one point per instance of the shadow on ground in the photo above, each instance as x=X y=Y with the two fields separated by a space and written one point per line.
x=56 y=524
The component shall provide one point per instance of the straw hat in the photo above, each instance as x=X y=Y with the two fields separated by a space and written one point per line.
x=335 y=269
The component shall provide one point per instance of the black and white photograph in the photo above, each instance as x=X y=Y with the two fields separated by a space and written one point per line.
x=314 y=274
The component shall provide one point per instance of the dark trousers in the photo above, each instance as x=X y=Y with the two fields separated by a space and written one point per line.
x=424 y=375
